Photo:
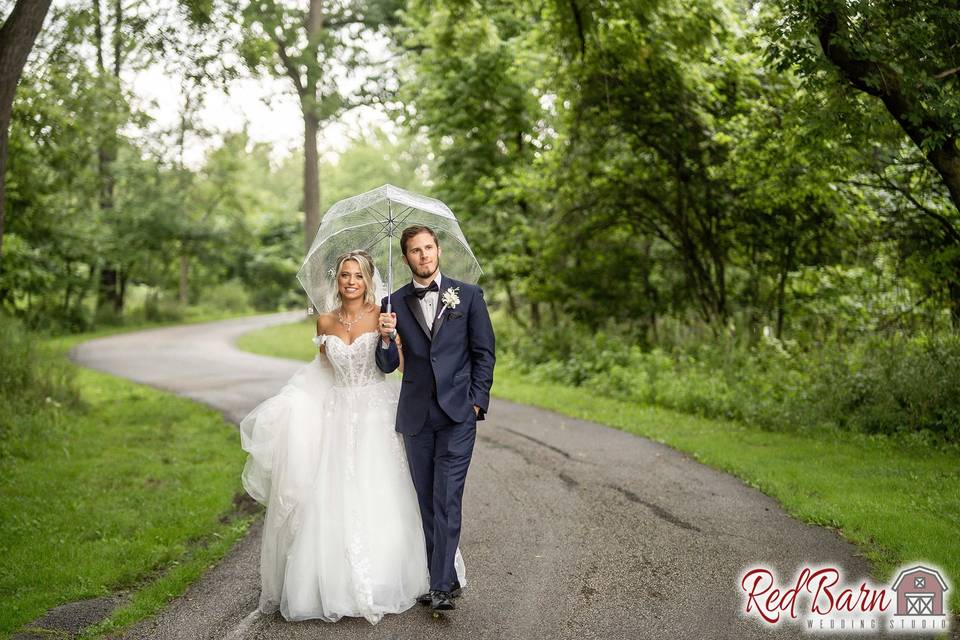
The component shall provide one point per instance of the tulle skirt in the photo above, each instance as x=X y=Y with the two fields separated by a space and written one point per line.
x=342 y=534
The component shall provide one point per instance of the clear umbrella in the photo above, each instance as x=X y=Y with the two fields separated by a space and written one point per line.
x=373 y=221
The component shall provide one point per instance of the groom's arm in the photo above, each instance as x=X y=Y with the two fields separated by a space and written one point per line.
x=387 y=359
x=482 y=344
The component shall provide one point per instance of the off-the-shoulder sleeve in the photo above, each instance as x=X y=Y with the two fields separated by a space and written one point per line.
x=319 y=340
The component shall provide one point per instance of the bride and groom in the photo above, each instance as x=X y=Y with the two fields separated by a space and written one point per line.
x=363 y=475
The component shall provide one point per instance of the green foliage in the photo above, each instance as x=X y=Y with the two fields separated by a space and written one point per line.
x=475 y=91
x=128 y=489
x=230 y=296
x=890 y=386
x=885 y=75
x=893 y=386
x=909 y=47
x=36 y=388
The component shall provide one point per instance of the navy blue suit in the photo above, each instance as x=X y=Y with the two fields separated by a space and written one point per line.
x=446 y=372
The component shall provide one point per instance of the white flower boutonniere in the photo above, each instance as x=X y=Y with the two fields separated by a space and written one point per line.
x=450 y=297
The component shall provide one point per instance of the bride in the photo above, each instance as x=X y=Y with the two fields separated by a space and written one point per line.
x=342 y=534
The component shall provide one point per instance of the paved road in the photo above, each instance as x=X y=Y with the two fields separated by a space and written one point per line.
x=571 y=529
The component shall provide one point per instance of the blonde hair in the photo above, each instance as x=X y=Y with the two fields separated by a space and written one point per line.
x=362 y=258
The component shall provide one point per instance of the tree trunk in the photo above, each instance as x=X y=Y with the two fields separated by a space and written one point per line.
x=953 y=290
x=309 y=101
x=184 y=279
x=17 y=36
x=117 y=38
x=785 y=267
x=109 y=291
x=311 y=178
x=122 y=293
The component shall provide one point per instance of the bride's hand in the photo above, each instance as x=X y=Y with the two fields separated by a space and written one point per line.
x=388 y=323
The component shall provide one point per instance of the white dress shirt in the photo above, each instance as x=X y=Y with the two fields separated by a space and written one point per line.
x=428 y=305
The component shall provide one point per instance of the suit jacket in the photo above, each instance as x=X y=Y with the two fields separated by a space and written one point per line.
x=455 y=360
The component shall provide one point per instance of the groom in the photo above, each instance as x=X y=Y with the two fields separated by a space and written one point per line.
x=448 y=356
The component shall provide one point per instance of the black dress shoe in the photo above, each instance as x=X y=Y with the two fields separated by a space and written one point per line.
x=441 y=601
x=455 y=592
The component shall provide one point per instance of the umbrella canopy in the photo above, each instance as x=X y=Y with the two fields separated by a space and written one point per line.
x=373 y=222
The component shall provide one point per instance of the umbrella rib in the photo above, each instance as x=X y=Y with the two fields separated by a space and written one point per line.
x=404 y=219
x=387 y=223
x=376 y=239
x=385 y=219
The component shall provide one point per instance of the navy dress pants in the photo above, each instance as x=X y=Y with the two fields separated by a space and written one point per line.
x=439 y=456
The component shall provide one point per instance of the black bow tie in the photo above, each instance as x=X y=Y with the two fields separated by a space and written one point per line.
x=422 y=291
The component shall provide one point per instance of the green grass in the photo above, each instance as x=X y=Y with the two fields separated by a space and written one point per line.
x=899 y=502
x=132 y=492
x=293 y=341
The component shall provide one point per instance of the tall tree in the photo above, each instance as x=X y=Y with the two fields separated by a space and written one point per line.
x=112 y=280
x=17 y=36
x=479 y=79
x=317 y=49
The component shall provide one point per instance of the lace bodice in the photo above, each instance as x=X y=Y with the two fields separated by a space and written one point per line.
x=354 y=365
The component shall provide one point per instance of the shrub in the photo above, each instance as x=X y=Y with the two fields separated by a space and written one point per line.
x=229 y=296
x=35 y=384
x=878 y=385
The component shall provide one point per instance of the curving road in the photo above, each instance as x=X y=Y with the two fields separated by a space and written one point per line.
x=571 y=529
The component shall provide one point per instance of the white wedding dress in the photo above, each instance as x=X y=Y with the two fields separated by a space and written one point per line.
x=342 y=534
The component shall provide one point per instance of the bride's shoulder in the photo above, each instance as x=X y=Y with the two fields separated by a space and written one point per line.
x=325 y=322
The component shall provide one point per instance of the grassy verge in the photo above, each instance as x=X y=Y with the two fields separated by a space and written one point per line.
x=898 y=501
x=132 y=491
x=285 y=341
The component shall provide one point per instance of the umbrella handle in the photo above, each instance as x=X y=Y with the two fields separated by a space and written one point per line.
x=389 y=309
x=389 y=272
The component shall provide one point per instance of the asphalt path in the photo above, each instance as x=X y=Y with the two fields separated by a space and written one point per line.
x=571 y=529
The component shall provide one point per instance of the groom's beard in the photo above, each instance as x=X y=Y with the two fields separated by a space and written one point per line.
x=426 y=271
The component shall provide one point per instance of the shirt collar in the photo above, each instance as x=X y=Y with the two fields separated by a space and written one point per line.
x=417 y=285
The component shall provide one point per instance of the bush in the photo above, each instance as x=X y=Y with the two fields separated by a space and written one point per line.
x=894 y=386
x=35 y=385
x=272 y=280
x=230 y=296
x=159 y=308
x=878 y=385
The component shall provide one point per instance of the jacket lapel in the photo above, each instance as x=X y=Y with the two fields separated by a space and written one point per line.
x=448 y=283
x=413 y=302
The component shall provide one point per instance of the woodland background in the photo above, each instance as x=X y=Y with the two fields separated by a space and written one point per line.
x=739 y=209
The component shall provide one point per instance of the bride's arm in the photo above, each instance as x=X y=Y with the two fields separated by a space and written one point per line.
x=324 y=322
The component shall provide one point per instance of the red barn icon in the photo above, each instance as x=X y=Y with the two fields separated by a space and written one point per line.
x=919 y=592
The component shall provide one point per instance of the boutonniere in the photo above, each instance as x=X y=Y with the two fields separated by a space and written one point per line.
x=450 y=297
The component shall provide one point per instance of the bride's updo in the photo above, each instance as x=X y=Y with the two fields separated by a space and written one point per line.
x=363 y=259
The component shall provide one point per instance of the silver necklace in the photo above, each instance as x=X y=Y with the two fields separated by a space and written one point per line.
x=349 y=324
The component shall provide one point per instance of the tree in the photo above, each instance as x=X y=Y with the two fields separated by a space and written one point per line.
x=474 y=89
x=316 y=49
x=135 y=34
x=905 y=56
x=17 y=36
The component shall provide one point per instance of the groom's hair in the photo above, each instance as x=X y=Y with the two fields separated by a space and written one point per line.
x=416 y=230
